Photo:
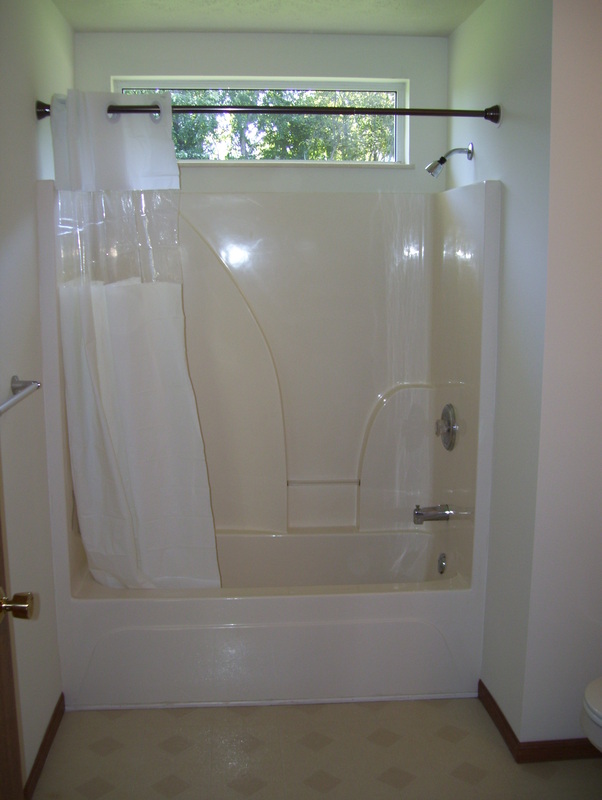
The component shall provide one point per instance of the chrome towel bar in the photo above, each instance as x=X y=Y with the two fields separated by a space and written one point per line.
x=20 y=390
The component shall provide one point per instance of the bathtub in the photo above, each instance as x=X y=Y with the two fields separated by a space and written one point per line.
x=336 y=595
x=280 y=631
x=256 y=563
x=259 y=560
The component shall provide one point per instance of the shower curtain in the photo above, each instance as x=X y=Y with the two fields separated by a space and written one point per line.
x=137 y=454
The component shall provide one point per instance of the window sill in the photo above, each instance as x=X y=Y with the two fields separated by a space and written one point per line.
x=345 y=165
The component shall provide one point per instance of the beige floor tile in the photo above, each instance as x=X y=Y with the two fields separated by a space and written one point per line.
x=415 y=750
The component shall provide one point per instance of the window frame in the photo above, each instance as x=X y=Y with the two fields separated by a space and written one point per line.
x=401 y=87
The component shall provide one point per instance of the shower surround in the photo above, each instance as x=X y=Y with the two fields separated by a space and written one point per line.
x=325 y=334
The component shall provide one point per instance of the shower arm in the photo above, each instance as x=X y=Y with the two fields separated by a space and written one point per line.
x=466 y=150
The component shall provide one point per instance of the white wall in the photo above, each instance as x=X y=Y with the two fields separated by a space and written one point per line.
x=543 y=623
x=564 y=645
x=422 y=60
x=502 y=54
x=35 y=60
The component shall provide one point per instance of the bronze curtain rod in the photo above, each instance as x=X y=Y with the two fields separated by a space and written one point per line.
x=492 y=114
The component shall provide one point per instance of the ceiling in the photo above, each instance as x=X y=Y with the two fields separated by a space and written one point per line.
x=398 y=17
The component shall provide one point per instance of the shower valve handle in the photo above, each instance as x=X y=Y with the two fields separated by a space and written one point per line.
x=446 y=427
x=441 y=427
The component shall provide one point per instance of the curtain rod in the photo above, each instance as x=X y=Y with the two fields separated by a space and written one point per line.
x=492 y=114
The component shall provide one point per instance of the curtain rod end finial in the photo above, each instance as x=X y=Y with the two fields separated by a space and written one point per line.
x=42 y=110
x=494 y=114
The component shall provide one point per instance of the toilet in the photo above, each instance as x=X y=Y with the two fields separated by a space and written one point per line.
x=591 y=715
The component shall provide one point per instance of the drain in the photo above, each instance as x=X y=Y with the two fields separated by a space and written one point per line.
x=441 y=563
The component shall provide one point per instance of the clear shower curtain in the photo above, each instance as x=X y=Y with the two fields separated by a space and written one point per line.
x=137 y=454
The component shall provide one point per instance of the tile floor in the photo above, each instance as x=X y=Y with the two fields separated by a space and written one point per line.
x=428 y=750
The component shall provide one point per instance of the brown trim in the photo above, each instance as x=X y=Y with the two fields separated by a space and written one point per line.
x=528 y=752
x=38 y=764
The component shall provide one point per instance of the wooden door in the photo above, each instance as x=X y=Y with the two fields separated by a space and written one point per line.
x=11 y=781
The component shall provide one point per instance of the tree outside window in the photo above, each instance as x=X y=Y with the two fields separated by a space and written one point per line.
x=219 y=136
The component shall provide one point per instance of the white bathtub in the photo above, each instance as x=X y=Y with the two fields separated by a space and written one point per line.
x=285 y=631
x=333 y=559
x=303 y=616
x=258 y=563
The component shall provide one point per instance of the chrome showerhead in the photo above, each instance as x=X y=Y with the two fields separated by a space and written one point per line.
x=435 y=167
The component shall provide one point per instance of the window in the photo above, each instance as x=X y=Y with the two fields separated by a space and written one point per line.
x=260 y=136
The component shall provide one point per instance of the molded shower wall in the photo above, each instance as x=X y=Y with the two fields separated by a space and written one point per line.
x=326 y=332
x=310 y=317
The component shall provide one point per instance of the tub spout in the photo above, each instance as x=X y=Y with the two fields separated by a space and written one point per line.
x=432 y=513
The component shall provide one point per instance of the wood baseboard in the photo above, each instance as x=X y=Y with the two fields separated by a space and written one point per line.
x=38 y=764
x=529 y=752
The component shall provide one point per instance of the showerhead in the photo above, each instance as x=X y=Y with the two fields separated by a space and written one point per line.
x=435 y=167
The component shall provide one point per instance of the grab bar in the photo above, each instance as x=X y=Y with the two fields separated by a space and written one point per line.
x=432 y=513
x=20 y=390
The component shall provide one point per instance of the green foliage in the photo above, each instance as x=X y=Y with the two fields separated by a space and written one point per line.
x=301 y=137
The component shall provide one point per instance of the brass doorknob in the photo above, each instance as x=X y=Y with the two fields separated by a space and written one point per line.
x=21 y=606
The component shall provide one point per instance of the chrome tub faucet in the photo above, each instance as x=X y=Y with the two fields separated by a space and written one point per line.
x=432 y=513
